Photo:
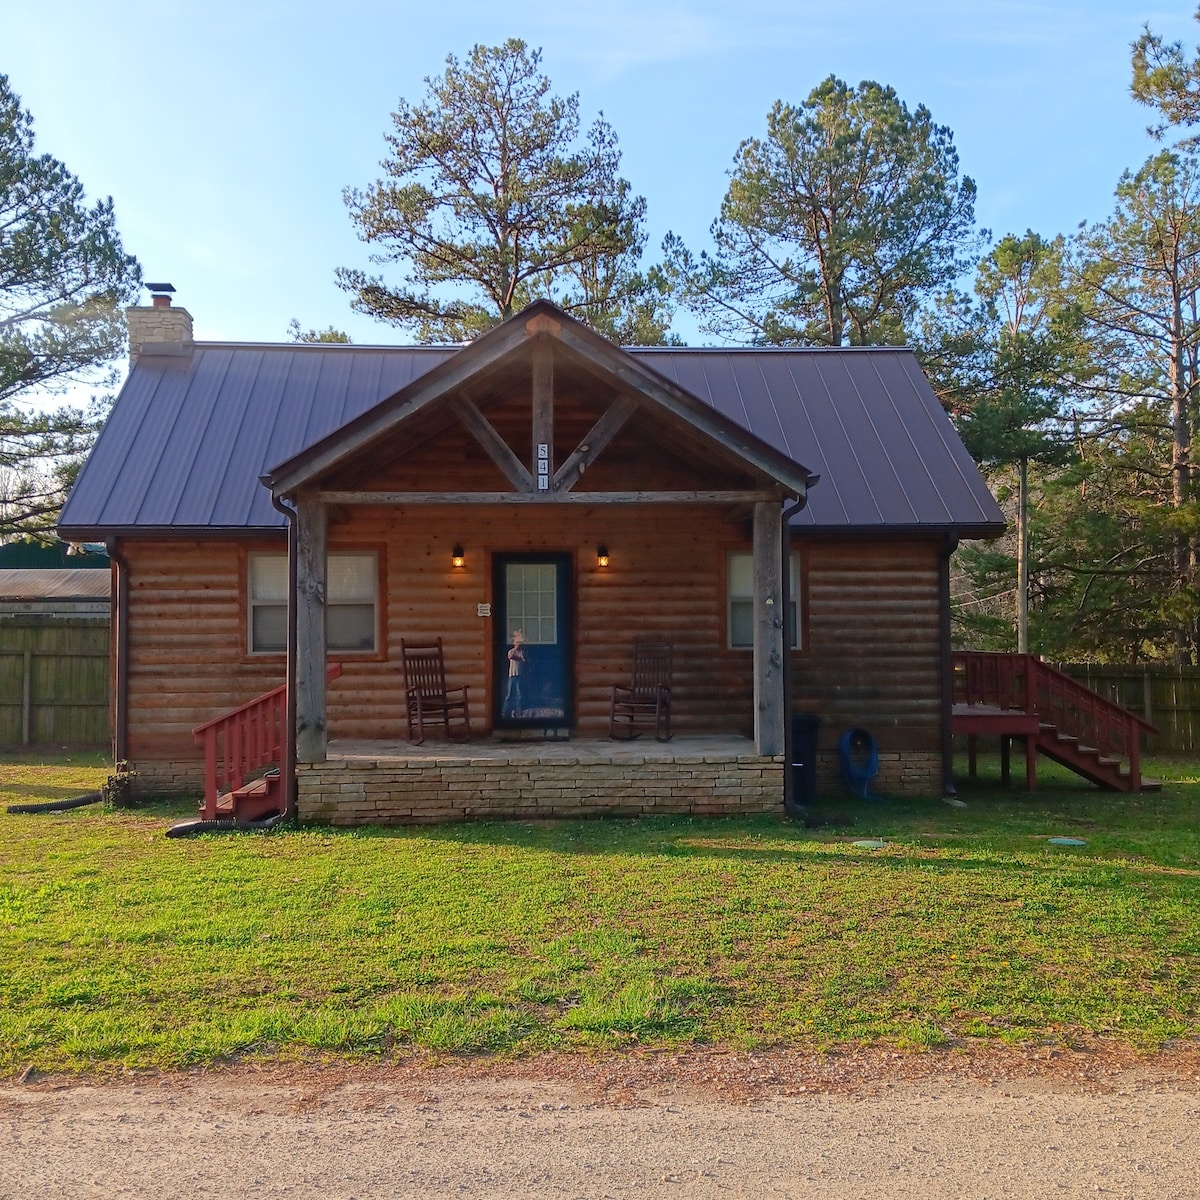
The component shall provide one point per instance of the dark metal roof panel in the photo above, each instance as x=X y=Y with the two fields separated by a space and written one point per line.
x=190 y=436
x=865 y=420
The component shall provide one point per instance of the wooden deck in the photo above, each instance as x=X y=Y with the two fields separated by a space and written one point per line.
x=990 y=720
x=1018 y=696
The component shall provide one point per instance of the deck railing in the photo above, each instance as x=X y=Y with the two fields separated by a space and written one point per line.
x=244 y=740
x=1023 y=682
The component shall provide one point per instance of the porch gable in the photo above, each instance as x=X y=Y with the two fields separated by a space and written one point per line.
x=528 y=351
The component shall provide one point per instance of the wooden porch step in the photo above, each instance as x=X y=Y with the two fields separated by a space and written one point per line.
x=252 y=801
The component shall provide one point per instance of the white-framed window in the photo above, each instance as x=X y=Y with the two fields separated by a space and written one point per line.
x=351 y=586
x=739 y=613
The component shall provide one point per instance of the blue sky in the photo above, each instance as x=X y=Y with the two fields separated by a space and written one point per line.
x=225 y=132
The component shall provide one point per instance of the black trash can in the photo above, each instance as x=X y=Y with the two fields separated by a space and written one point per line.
x=805 y=727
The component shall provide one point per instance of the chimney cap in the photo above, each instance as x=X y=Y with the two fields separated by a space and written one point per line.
x=164 y=289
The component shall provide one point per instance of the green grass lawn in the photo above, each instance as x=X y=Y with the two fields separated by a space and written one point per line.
x=120 y=947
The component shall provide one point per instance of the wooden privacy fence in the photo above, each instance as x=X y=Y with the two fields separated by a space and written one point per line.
x=54 y=682
x=1167 y=697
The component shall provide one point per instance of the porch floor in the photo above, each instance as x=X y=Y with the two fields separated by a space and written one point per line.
x=485 y=751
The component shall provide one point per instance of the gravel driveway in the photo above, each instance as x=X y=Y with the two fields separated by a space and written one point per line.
x=966 y=1126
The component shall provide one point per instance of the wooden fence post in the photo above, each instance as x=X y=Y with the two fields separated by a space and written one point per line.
x=27 y=700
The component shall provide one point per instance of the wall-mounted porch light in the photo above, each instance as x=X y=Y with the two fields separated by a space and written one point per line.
x=602 y=556
x=457 y=557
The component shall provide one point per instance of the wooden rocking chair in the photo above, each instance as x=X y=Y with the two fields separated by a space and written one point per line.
x=426 y=696
x=646 y=703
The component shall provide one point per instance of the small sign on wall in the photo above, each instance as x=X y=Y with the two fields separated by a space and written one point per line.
x=483 y=610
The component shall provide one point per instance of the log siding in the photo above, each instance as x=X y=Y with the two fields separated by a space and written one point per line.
x=869 y=613
x=873 y=631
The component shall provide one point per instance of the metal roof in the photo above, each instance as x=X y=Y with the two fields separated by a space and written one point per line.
x=50 y=583
x=865 y=420
x=191 y=433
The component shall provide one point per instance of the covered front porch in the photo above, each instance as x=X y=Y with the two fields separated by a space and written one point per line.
x=382 y=782
x=465 y=483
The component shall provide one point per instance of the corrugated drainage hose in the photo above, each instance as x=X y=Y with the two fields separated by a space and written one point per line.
x=57 y=805
x=192 y=828
x=860 y=761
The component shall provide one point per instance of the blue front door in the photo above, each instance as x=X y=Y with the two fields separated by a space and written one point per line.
x=533 y=650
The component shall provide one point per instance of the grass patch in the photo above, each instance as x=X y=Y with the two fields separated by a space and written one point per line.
x=120 y=947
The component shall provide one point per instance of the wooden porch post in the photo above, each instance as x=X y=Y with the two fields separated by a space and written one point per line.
x=543 y=415
x=312 y=523
x=770 y=624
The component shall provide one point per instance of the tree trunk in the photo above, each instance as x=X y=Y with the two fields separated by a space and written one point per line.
x=1181 y=449
x=1023 y=558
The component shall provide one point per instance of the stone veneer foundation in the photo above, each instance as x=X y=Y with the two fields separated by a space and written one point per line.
x=453 y=783
x=450 y=783
x=154 y=777
x=900 y=774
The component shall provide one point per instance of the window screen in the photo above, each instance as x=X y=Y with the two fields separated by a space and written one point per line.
x=740 y=579
x=350 y=592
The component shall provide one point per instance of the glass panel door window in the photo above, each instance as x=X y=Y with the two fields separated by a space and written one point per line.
x=350 y=591
x=531 y=601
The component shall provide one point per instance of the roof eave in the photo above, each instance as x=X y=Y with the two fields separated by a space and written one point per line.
x=78 y=533
x=961 y=532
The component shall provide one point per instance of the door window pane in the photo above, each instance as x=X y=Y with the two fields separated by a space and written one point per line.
x=531 y=601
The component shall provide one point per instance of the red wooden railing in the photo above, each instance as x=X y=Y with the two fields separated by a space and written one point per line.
x=1023 y=682
x=244 y=740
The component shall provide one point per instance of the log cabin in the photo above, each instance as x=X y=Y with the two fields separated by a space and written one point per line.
x=284 y=519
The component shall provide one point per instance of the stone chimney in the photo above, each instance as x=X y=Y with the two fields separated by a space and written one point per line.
x=168 y=329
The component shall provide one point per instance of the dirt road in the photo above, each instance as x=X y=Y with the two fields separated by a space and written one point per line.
x=969 y=1127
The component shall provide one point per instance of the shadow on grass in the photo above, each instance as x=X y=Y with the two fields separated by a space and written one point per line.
x=39 y=792
x=1159 y=827
x=954 y=844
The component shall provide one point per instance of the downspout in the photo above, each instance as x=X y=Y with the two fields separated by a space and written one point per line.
x=287 y=768
x=789 y=789
x=948 y=788
x=119 y=623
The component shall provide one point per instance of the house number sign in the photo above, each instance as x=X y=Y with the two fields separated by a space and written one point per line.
x=543 y=466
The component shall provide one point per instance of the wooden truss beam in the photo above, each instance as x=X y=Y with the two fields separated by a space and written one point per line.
x=542 y=387
x=594 y=444
x=404 y=498
x=498 y=450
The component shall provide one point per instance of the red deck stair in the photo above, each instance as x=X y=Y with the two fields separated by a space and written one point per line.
x=243 y=749
x=1018 y=695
